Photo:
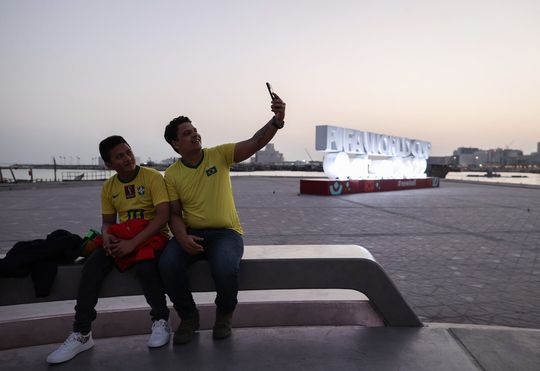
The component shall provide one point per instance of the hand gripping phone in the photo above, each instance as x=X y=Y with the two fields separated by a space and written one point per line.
x=272 y=94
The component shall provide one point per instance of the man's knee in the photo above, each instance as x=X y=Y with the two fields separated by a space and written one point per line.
x=96 y=262
x=172 y=258
x=96 y=255
x=225 y=273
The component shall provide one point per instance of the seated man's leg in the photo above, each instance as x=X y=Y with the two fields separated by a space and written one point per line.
x=95 y=269
x=173 y=265
x=224 y=249
x=147 y=273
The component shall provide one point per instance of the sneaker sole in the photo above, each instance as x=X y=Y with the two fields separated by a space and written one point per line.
x=89 y=345
x=159 y=345
x=195 y=330
x=179 y=342
x=221 y=337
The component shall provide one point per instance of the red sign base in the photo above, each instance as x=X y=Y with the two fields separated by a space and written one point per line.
x=327 y=187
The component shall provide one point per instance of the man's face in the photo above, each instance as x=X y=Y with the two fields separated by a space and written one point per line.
x=121 y=159
x=187 y=139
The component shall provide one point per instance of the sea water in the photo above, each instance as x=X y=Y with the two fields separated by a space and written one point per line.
x=47 y=175
x=507 y=178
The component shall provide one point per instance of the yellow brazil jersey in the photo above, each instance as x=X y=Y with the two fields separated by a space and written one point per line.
x=205 y=191
x=135 y=199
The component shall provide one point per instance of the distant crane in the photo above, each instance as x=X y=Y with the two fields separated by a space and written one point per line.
x=54 y=166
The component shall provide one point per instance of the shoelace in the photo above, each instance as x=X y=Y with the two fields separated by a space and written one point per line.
x=160 y=323
x=73 y=337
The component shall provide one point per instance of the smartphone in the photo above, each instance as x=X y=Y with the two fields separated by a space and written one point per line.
x=269 y=87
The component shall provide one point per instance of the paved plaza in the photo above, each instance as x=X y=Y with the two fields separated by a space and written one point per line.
x=461 y=253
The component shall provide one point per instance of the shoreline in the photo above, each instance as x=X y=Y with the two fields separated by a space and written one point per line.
x=90 y=183
x=500 y=184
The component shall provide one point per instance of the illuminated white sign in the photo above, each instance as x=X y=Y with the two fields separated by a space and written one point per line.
x=349 y=154
x=336 y=139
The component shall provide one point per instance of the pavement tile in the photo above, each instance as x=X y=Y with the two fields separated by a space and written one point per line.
x=502 y=349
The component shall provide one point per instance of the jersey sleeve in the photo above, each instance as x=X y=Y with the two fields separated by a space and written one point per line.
x=227 y=152
x=106 y=199
x=158 y=189
x=170 y=186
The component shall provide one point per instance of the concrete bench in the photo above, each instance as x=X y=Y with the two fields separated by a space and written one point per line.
x=275 y=267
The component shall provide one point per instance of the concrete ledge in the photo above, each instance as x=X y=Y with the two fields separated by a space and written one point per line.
x=262 y=268
x=130 y=315
x=137 y=322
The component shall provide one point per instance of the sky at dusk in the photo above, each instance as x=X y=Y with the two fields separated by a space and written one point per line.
x=454 y=73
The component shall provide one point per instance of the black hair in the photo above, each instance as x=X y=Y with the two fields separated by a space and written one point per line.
x=172 y=128
x=109 y=143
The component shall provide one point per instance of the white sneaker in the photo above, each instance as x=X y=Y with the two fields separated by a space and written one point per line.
x=73 y=345
x=161 y=333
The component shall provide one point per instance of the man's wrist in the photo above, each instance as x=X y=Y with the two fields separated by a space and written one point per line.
x=277 y=124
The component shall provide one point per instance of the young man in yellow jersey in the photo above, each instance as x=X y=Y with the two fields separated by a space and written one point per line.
x=204 y=220
x=135 y=196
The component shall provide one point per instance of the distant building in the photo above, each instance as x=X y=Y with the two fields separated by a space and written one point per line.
x=476 y=159
x=168 y=161
x=513 y=156
x=495 y=156
x=268 y=155
x=480 y=158
x=465 y=156
x=535 y=156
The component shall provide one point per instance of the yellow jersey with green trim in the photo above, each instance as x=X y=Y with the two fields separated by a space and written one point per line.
x=205 y=190
x=135 y=199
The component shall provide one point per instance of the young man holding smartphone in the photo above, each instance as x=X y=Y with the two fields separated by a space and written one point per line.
x=135 y=211
x=204 y=220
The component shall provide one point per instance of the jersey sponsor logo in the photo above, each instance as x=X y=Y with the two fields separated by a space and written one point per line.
x=211 y=171
x=116 y=195
x=129 y=190
x=140 y=190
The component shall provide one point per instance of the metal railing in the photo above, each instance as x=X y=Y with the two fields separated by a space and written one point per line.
x=75 y=176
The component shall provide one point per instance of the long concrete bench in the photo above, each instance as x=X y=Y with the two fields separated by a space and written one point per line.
x=276 y=267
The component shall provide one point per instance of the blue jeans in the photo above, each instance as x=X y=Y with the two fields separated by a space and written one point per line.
x=223 y=248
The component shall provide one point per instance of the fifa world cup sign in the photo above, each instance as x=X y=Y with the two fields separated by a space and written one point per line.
x=354 y=154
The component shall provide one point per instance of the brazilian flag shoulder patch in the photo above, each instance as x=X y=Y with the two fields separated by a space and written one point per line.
x=211 y=171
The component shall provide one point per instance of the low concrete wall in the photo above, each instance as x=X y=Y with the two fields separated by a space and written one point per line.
x=262 y=268
x=45 y=323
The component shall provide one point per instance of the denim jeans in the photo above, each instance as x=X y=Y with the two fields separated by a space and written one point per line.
x=223 y=248
x=96 y=268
